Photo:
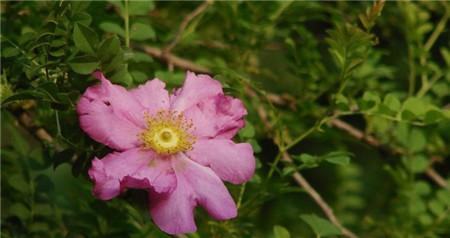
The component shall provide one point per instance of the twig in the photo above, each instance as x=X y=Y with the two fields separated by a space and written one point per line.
x=375 y=143
x=305 y=185
x=183 y=26
x=177 y=61
x=26 y=121
x=318 y=199
x=436 y=177
x=355 y=132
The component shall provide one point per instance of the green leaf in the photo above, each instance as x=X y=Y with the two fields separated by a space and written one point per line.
x=338 y=57
x=414 y=105
x=84 y=64
x=77 y=6
x=82 y=17
x=172 y=79
x=392 y=102
x=369 y=101
x=39 y=227
x=433 y=116
x=17 y=181
x=19 y=142
x=320 y=226
x=8 y=52
x=417 y=206
x=306 y=159
x=43 y=184
x=339 y=158
x=342 y=103
x=112 y=27
x=281 y=232
x=436 y=207
x=248 y=131
x=139 y=8
x=85 y=38
x=446 y=55
x=408 y=115
x=24 y=95
x=138 y=76
x=19 y=210
x=141 y=57
x=419 y=164
x=121 y=76
x=58 y=53
x=422 y=188
x=402 y=133
x=109 y=48
x=255 y=145
x=140 y=31
x=444 y=196
x=417 y=140
x=26 y=37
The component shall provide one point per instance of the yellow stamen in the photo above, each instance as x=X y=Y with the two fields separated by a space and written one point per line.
x=167 y=133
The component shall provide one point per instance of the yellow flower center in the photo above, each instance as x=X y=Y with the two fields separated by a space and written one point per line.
x=167 y=133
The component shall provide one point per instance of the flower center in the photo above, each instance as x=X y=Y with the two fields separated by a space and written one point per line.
x=167 y=133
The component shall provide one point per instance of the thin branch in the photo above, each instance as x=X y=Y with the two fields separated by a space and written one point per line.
x=355 y=132
x=26 y=121
x=173 y=59
x=431 y=173
x=437 y=31
x=318 y=199
x=436 y=177
x=184 y=24
x=304 y=184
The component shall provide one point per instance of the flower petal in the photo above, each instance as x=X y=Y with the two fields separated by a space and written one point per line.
x=152 y=95
x=217 y=117
x=196 y=184
x=232 y=162
x=195 y=89
x=110 y=115
x=133 y=168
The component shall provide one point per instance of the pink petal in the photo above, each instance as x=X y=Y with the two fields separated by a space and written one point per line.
x=196 y=184
x=111 y=115
x=217 y=117
x=133 y=168
x=152 y=95
x=195 y=89
x=232 y=162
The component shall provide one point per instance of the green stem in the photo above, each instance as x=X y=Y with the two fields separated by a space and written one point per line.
x=241 y=194
x=272 y=167
x=126 y=17
x=290 y=145
x=425 y=87
x=412 y=70
x=300 y=138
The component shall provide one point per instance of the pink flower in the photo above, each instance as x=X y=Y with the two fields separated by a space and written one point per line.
x=177 y=146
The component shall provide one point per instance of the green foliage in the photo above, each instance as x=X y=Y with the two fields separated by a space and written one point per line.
x=351 y=95
x=320 y=226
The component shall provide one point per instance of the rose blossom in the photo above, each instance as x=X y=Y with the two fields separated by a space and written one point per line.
x=177 y=146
